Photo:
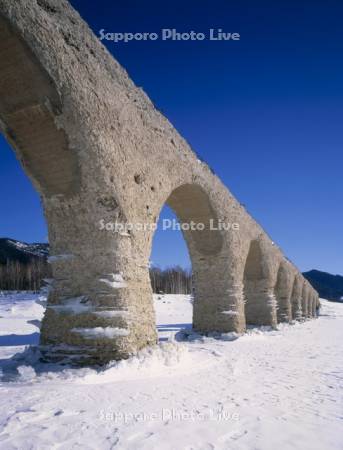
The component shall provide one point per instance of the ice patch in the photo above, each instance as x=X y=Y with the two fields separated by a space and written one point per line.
x=230 y=313
x=111 y=313
x=100 y=332
x=114 y=280
x=74 y=305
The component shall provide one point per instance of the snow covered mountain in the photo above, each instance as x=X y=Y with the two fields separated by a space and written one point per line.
x=13 y=250
x=329 y=286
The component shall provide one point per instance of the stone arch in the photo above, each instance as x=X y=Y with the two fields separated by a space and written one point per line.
x=29 y=110
x=283 y=291
x=193 y=206
x=214 y=307
x=296 y=298
x=259 y=298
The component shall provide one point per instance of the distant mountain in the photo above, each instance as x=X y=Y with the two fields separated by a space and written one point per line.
x=329 y=286
x=12 y=250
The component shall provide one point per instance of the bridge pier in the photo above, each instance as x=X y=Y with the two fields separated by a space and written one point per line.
x=218 y=307
x=100 y=302
x=283 y=291
x=296 y=299
x=260 y=303
x=311 y=305
x=305 y=301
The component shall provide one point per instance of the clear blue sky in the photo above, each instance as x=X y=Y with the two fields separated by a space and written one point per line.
x=266 y=113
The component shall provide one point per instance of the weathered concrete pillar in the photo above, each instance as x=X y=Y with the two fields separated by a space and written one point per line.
x=314 y=314
x=317 y=304
x=310 y=305
x=99 y=307
x=314 y=305
x=296 y=299
x=217 y=306
x=304 y=300
x=283 y=291
x=259 y=281
x=306 y=295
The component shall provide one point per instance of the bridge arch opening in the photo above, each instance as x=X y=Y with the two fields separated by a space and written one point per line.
x=258 y=292
x=171 y=277
x=253 y=274
x=23 y=247
x=195 y=219
x=198 y=220
x=30 y=122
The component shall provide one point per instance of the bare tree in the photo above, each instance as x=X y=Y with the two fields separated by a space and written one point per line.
x=18 y=276
x=173 y=280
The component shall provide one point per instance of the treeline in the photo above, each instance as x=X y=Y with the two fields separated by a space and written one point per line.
x=18 y=276
x=173 y=280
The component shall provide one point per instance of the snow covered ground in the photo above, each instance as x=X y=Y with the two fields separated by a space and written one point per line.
x=265 y=390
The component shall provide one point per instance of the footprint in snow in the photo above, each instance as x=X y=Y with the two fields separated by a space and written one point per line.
x=233 y=435
x=140 y=436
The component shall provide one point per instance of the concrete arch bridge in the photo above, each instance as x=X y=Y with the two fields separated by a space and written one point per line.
x=96 y=149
